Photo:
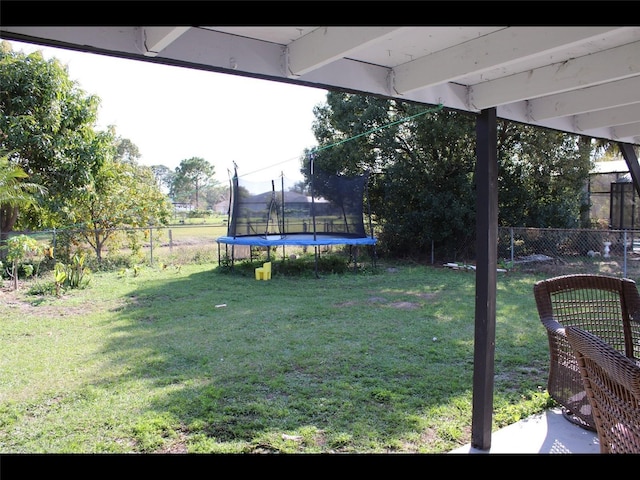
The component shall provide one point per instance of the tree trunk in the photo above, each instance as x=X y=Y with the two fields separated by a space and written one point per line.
x=8 y=218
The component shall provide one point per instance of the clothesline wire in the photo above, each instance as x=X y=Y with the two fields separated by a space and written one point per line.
x=368 y=132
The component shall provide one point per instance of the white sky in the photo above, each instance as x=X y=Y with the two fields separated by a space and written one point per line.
x=173 y=113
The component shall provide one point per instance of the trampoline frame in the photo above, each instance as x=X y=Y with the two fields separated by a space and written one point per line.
x=304 y=239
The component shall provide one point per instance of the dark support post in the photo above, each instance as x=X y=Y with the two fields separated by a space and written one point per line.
x=486 y=268
x=632 y=162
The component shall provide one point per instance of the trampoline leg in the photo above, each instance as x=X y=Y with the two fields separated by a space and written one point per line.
x=355 y=260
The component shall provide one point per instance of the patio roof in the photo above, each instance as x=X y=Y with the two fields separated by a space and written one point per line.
x=577 y=79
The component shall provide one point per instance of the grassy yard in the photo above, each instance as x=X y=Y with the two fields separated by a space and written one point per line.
x=191 y=360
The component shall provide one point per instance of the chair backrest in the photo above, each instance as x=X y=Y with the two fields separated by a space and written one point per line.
x=267 y=267
x=612 y=383
x=608 y=307
x=600 y=304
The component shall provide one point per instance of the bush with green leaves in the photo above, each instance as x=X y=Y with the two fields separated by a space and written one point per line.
x=72 y=275
x=21 y=253
x=303 y=265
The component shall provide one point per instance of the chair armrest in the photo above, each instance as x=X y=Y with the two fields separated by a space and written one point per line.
x=553 y=326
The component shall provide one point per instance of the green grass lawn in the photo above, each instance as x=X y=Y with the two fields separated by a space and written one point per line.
x=191 y=360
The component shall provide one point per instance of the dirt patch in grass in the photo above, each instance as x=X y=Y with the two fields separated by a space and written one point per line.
x=15 y=301
x=405 y=305
x=377 y=300
x=383 y=301
x=178 y=445
x=427 y=296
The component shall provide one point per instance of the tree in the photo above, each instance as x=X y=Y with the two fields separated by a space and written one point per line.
x=126 y=150
x=47 y=126
x=123 y=195
x=15 y=192
x=422 y=189
x=542 y=177
x=603 y=149
x=191 y=176
x=424 y=194
x=92 y=177
x=163 y=175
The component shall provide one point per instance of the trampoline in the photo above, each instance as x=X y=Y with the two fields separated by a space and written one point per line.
x=329 y=212
x=300 y=239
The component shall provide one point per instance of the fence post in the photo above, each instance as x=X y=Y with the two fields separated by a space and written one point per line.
x=151 y=243
x=432 y=253
x=511 y=247
x=624 y=273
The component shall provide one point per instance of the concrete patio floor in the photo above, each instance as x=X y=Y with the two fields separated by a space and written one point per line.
x=545 y=433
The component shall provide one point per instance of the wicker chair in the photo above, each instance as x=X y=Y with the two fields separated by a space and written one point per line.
x=606 y=306
x=612 y=384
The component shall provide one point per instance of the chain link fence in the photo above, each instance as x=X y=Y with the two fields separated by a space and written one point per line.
x=545 y=251
x=165 y=246
x=552 y=251
x=123 y=248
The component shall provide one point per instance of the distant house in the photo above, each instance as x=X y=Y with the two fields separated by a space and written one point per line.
x=221 y=207
x=182 y=207
x=262 y=201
